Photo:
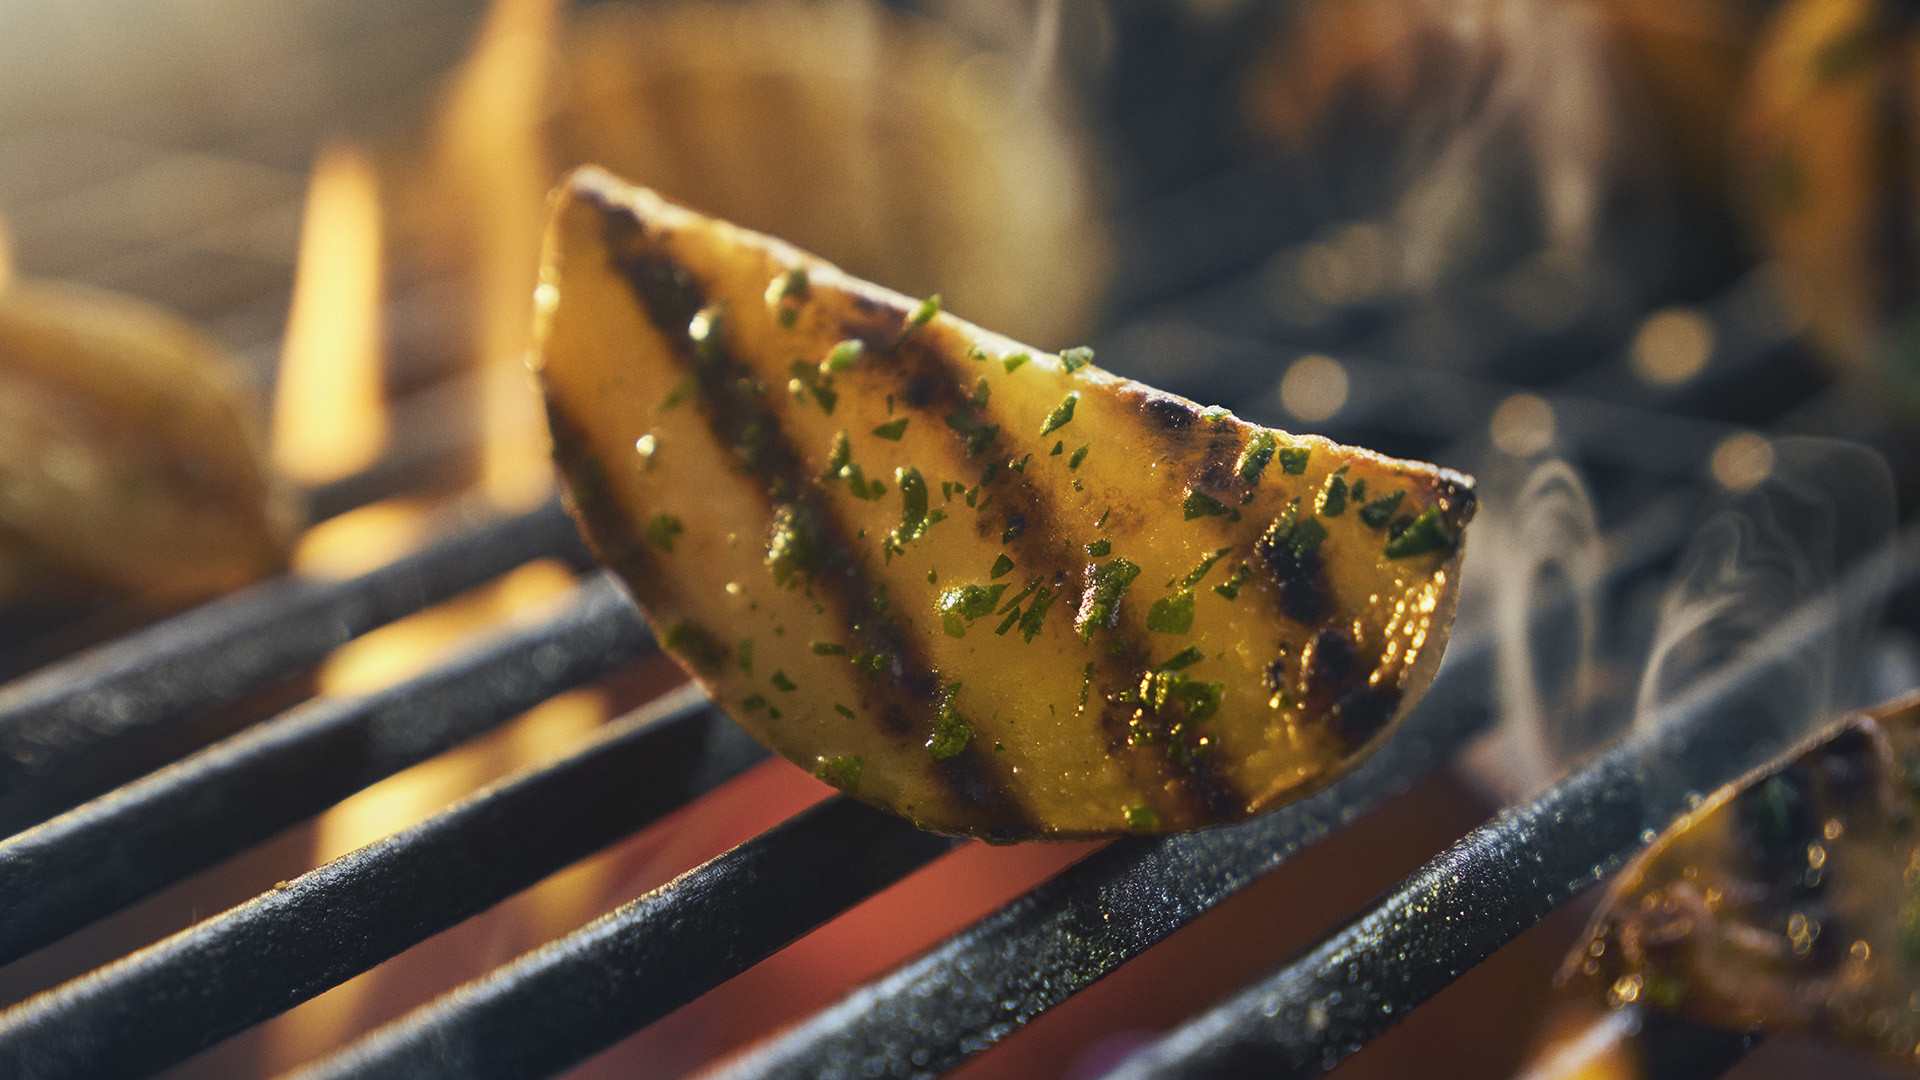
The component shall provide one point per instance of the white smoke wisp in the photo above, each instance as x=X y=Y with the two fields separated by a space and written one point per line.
x=1544 y=562
x=1785 y=543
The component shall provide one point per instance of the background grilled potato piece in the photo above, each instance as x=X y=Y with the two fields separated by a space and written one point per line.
x=131 y=461
x=998 y=591
x=1788 y=902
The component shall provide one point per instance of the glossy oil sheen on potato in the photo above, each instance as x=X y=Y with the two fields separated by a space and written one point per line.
x=998 y=591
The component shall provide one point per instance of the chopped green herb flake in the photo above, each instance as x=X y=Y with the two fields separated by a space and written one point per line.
x=951 y=733
x=839 y=453
x=1215 y=413
x=1378 y=512
x=753 y=701
x=782 y=683
x=844 y=711
x=1074 y=459
x=953 y=624
x=1021 y=595
x=892 y=429
x=1021 y=465
x=1016 y=524
x=987 y=474
x=663 y=528
x=1059 y=447
x=922 y=315
x=858 y=484
x=1200 y=504
x=1141 y=816
x=1001 y=566
x=1172 y=614
x=1100 y=548
x=1231 y=587
x=1100 y=604
x=1255 y=456
x=1358 y=493
x=1076 y=358
x=1306 y=536
x=1426 y=535
x=828 y=648
x=792 y=283
x=1185 y=658
x=787 y=317
x=844 y=356
x=826 y=395
x=696 y=644
x=1293 y=460
x=1061 y=415
x=1006 y=624
x=793 y=545
x=841 y=772
x=681 y=391
x=744 y=656
x=1012 y=363
x=981 y=392
x=1334 y=503
x=971 y=602
x=1195 y=575
x=1102 y=519
x=913 y=509
x=1043 y=599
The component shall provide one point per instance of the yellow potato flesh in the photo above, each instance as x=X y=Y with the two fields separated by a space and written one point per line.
x=979 y=590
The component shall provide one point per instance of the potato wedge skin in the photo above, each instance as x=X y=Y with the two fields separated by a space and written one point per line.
x=1016 y=598
x=1786 y=902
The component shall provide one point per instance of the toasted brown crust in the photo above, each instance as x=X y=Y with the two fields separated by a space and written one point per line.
x=1003 y=596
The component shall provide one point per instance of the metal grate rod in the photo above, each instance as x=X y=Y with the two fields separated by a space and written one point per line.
x=1307 y=1016
x=172 y=999
x=562 y=1003
x=214 y=653
x=97 y=858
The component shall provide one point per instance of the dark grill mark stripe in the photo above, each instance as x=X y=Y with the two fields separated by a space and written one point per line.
x=927 y=376
x=735 y=417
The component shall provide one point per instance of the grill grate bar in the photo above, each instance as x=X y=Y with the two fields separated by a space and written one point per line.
x=181 y=995
x=562 y=1003
x=214 y=653
x=106 y=854
x=1308 y=1015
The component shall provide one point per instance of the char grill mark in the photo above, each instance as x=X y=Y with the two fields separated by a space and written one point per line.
x=738 y=418
x=926 y=376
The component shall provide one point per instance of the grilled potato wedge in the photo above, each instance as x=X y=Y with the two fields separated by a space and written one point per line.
x=1788 y=902
x=998 y=591
x=131 y=461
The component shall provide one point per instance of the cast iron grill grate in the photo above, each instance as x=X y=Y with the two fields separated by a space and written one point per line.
x=83 y=844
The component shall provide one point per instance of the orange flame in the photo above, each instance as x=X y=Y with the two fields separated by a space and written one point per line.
x=6 y=256
x=495 y=172
x=329 y=416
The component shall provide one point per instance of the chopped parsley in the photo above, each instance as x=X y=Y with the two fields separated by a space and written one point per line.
x=1427 y=534
x=1061 y=415
x=1200 y=504
x=1230 y=588
x=1100 y=548
x=892 y=429
x=782 y=683
x=1172 y=614
x=1012 y=363
x=1001 y=566
x=1293 y=460
x=662 y=529
x=1334 y=503
x=1079 y=455
x=1076 y=358
x=922 y=315
x=1100 y=605
x=1378 y=512
x=844 y=356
